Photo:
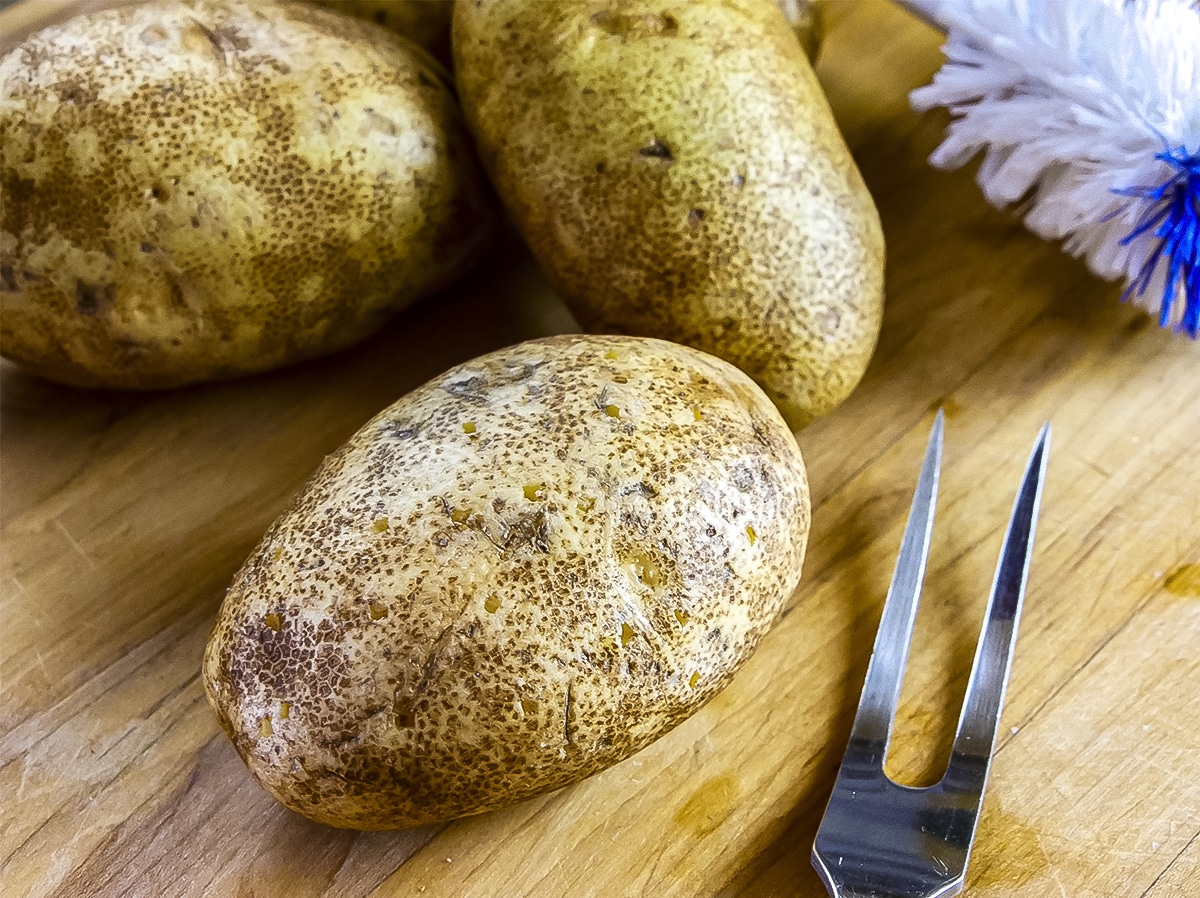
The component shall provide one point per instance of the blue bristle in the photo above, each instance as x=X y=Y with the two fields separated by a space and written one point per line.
x=1172 y=217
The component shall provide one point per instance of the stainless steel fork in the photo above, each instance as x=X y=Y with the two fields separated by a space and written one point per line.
x=879 y=839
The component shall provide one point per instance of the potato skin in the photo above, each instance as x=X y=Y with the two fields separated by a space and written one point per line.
x=678 y=173
x=517 y=575
x=200 y=190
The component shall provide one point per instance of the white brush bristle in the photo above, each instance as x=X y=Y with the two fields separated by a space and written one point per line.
x=1071 y=101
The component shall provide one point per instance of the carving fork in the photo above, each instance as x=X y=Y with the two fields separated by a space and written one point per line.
x=879 y=839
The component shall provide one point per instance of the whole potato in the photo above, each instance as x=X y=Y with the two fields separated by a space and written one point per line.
x=678 y=173
x=519 y=574
x=425 y=22
x=203 y=189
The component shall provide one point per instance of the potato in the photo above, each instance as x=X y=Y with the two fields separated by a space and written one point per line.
x=425 y=22
x=678 y=174
x=200 y=190
x=519 y=574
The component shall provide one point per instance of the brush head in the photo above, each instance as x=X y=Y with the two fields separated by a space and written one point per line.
x=1087 y=112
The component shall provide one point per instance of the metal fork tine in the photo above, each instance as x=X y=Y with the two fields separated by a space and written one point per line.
x=881 y=690
x=975 y=739
x=884 y=840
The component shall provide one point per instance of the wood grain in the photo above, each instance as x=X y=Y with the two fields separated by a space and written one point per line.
x=125 y=516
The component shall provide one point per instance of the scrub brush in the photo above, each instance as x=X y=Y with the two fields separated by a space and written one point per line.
x=1087 y=113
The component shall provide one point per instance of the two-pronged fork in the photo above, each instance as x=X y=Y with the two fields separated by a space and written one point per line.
x=879 y=839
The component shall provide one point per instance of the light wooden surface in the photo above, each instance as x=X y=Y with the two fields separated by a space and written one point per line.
x=125 y=516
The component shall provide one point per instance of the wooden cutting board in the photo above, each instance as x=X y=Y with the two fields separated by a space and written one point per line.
x=125 y=516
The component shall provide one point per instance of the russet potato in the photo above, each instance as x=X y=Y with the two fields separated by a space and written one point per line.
x=196 y=190
x=677 y=172
x=517 y=575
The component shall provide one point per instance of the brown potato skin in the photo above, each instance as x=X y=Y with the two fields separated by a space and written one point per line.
x=518 y=575
x=677 y=172
x=199 y=190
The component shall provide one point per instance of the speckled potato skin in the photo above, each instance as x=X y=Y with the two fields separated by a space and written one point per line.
x=200 y=190
x=519 y=574
x=425 y=22
x=678 y=173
